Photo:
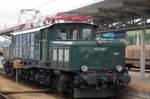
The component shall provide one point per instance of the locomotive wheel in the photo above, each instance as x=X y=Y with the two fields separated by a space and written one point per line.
x=23 y=74
x=26 y=77
x=7 y=70
x=55 y=84
x=47 y=81
x=59 y=86
x=31 y=75
x=12 y=71
x=61 y=83
x=7 y=67
x=36 y=77
x=20 y=73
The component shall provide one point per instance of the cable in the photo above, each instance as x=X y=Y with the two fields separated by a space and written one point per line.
x=46 y=3
x=15 y=16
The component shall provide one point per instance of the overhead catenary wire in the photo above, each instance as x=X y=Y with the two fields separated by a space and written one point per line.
x=37 y=7
x=44 y=4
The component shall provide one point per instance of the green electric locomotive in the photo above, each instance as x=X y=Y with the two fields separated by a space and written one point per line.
x=66 y=57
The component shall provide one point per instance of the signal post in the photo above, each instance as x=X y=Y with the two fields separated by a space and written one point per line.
x=17 y=65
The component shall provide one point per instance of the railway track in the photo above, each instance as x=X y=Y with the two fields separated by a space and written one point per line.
x=138 y=70
x=37 y=93
x=3 y=96
x=29 y=90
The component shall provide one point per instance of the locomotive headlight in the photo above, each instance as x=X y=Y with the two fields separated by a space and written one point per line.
x=119 y=68
x=84 y=68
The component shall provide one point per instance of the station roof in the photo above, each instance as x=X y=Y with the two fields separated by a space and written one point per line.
x=118 y=8
x=114 y=14
x=7 y=31
x=108 y=12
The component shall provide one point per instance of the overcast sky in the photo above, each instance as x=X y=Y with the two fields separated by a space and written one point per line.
x=9 y=9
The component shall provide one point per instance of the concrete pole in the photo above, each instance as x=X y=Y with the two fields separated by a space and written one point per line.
x=137 y=40
x=16 y=75
x=134 y=41
x=142 y=53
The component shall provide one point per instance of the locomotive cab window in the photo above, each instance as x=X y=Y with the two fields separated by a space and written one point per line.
x=86 y=34
x=75 y=34
x=61 y=34
x=74 y=31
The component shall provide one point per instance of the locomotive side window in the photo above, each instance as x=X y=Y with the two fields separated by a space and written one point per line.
x=86 y=34
x=75 y=34
x=62 y=35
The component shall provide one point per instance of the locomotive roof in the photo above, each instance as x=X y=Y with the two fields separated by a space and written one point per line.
x=42 y=27
x=29 y=30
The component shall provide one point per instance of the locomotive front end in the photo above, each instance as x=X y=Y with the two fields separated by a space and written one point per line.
x=96 y=70
x=102 y=72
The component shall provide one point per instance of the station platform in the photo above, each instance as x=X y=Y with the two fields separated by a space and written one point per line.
x=138 y=82
x=139 y=88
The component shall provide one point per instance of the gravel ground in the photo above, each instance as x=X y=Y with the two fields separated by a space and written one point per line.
x=8 y=85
